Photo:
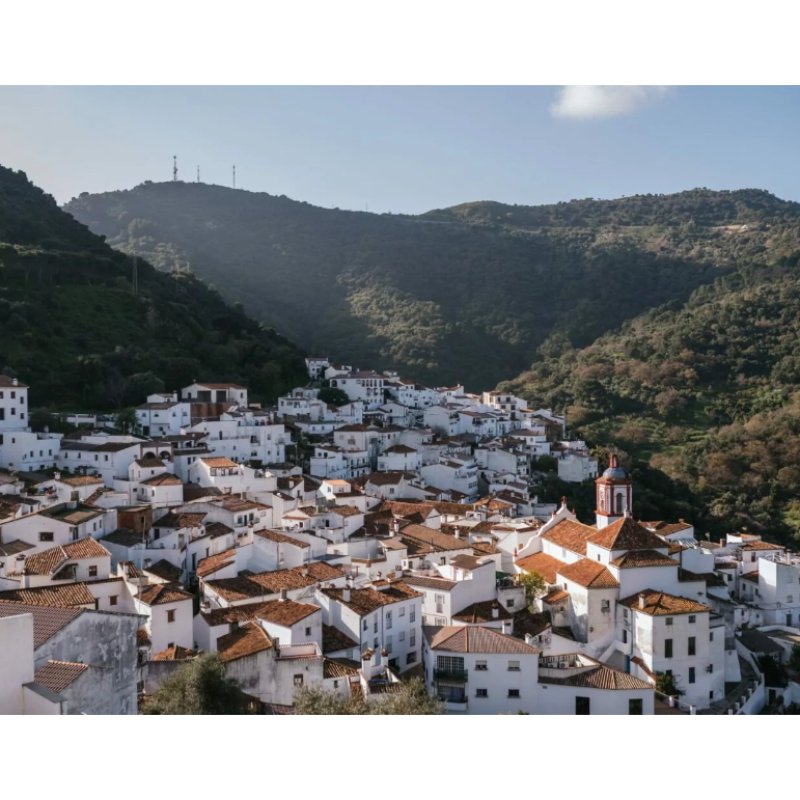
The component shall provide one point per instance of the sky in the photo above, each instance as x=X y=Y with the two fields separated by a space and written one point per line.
x=407 y=149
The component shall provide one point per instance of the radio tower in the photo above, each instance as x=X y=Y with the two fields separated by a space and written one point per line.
x=174 y=168
x=234 y=176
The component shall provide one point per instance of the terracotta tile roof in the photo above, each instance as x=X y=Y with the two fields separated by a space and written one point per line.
x=346 y=511
x=66 y=595
x=247 y=640
x=216 y=529
x=164 y=479
x=210 y=564
x=265 y=583
x=403 y=509
x=588 y=573
x=161 y=593
x=45 y=561
x=191 y=492
x=544 y=564
x=469 y=639
x=627 y=534
x=598 y=677
x=483 y=612
x=339 y=668
x=58 y=675
x=81 y=480
x=365 y=601
x=174 y=653
x=433 y=538
x=219 y=463
x=47 y=621
x=570 y=534
x=224 y=616
x=466 y=562
x=662 y=604
x=526 y=622
x=281 y=538
x=761 y=546
x=556 y=596
x=334 y=640
x=164 y=570
x=667 y=528
x=427 y=582
x=286 y=612
x=643 y=558
x=124 y=537
x=484 y=548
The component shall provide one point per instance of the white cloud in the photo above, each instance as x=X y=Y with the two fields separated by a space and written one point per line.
x=589 y=102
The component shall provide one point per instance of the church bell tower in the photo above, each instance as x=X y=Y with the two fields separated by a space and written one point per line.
x=614 y=494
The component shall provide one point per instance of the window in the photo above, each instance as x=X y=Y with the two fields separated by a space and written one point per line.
x=692 y=619
x=365 y=625
x=45 y=536
x=635 y=706
x=510 y=602
x=692 y=646
x=402 y=611
x=412 y=615
x=93 y=572
x=112 y=600
x=375 y=625
x=481 y=693
x=439 y=600
x=667 y=648
x=411 y=658
x=668 y=621
x=412 y=639
x=388 y=619
x=582 y=705
x=691 y=675
x=513 y=666
x=401 y=637
x=171 y=615
x=481 y=665
x=513 y=692
x=711 y=636
x=308 y=631
x=298 y=680
x=710 y=668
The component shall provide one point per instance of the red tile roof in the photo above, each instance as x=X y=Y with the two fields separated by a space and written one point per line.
x=161 y=593
x=588 y=573
x=66 y=595
x=286 y=612
x=58 y=675
x=643 y=558
x=469 y=639
x=211 y=564
x=248 y=640
x=366 y=600
x=662 y=604
x=544 y=564
x=627 y=534
x=571 y=535
x=47 y=621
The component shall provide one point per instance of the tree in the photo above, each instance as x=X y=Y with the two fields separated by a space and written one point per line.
x=534 y=584
x=125 y=420
x=333 y=396
x=411 y=698
x=667 y=684
x=200 y=687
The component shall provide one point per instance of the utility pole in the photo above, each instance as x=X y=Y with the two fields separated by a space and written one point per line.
x=174 y=168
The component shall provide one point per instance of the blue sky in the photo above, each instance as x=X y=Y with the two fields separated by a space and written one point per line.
x=407 y=149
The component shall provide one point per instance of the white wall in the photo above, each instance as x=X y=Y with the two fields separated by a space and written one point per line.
x=16 y=661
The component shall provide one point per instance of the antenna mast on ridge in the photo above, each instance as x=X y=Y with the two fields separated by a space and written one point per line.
x=198 y=173
x=174 y=168
x=234 y=176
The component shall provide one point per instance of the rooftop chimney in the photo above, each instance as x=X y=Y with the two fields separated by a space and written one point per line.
x=346 y=594
x=507 y=627
x=642 y=600
x=283 y=596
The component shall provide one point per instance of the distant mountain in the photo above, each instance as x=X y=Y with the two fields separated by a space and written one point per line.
x=467 y=293
x=87 y=329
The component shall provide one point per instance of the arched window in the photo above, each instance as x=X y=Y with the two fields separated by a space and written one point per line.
x=620 y=509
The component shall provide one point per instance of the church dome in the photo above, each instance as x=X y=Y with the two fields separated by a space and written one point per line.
x=614 y=471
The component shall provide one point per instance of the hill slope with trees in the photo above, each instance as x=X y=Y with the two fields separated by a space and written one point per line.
x=75 y=327
x=467 y=293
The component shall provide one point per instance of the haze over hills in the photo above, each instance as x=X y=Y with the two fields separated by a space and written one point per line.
x=467 y=293
x=74 y=327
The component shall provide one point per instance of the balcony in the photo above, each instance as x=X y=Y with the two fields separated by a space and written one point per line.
x=459 y=675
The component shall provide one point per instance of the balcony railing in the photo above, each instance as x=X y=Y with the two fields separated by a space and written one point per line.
x=450 y=674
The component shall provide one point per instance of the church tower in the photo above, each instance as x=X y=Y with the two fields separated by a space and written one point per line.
x=614 y=494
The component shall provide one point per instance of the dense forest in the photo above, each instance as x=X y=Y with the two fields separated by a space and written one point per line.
x=463 y=294
x=88 y=328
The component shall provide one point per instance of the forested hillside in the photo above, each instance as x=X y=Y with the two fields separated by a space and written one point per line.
x=75 y=327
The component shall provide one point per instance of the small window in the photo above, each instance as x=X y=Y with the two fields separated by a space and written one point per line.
x=711 y=636
x=171 y=615
x=691 y=675
x=513 y=666
x=112 y=600
x=298 y=680
x=45 y=536
x=668 y=621
x=308 y=631
x=402 y=611
x=481 y=665
x=510 y=602
x=667 y=648
x=93 y=572
x=692 y=646
x=513 y=692
x=710 y=668
x=582 y=705
x=692 y=619
x=635 y=706
x=481 y=693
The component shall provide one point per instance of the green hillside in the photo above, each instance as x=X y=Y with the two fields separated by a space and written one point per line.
x=73 y=327
x=467 y=293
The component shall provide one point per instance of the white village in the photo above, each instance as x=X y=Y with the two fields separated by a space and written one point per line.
x=352 y=546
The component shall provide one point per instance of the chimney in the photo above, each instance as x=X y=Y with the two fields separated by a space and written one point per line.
x=283 y=596
x=507 y=627
x=346 y=594
x=642 y=600
x=14 y=382
x=495 y=612
x=529 y=639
